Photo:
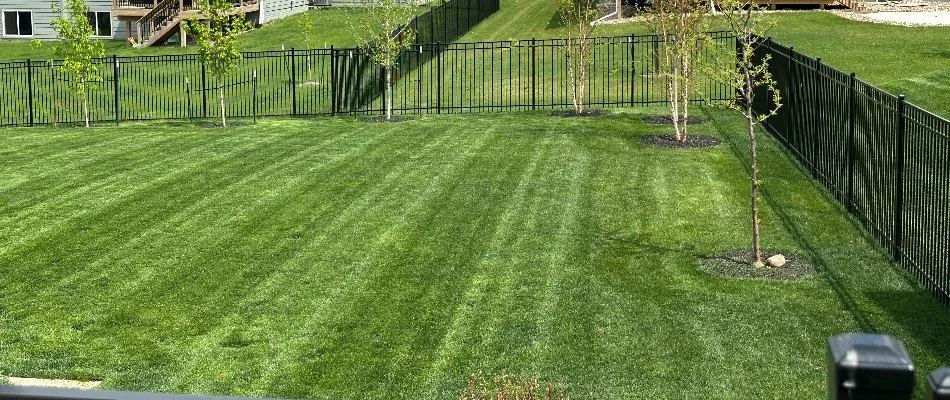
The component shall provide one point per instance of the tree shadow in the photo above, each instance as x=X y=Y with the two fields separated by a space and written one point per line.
x=555 y=22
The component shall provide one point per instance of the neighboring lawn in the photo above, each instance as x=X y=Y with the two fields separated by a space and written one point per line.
x=913 y=61
x=333 y=258
x=286 y=32
x=534 y=19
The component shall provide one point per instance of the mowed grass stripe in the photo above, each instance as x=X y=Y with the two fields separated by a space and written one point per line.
x=133 y=199
x=88 y=176
x=383 y=238
x=465 y=319
x=34 y=157
x=140 y=183
x=198 y=221
x=371 y=202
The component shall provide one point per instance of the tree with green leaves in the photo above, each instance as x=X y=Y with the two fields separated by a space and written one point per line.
x=680 y=26
x=77 y=49
x=216 y=34
x=749 y=76
x=383 y=28
x=578 y=16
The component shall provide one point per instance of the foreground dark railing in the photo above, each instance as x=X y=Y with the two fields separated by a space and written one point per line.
x=886 y=160
x=431 y=78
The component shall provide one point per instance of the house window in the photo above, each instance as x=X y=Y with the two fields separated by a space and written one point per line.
x=101 y=23
x=17 y=23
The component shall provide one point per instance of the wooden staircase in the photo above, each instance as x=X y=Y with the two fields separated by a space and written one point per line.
x=163 y=20
x=160 y=23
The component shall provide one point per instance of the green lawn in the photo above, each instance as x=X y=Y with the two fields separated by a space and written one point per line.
x=334 y=258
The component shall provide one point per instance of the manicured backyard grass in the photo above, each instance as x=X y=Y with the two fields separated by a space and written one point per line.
x=335 y=258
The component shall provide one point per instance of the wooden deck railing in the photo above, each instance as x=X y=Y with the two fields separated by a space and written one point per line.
x=161 y=15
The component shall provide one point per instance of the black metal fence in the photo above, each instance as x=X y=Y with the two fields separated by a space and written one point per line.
x=885 y=159
x=431 y=78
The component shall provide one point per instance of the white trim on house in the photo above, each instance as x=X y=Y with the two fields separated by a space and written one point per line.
x=3 y=23
x=95 y=27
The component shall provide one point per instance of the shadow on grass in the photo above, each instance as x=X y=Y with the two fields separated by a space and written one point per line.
x=792 y=227
x=915 y=311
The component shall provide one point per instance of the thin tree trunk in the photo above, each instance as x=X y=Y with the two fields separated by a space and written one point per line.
x=389 y=93
x=675 y=103
x=224 y=121
x=85 y=102
x=573 y=72
x=685 y=72
x=754 y=161
x=582 y=73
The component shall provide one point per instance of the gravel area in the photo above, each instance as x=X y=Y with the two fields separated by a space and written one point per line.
x=56 y=383
x=903 y=13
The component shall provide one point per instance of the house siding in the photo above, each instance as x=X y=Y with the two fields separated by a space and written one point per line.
x=276 y=9
x=43 y=15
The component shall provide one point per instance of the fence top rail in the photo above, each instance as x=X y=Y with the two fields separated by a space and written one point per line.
x=924 y=113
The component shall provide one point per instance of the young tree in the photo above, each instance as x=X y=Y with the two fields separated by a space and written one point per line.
x=77 y=49
x=308 y=28
x=680 y=26
x=216 y=35
x=749 y=76
x=577 y=16
x=383 y=28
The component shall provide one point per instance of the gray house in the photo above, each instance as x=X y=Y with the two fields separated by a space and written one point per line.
x=146 y=22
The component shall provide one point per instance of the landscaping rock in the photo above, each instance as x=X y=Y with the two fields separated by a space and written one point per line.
x=776 y=261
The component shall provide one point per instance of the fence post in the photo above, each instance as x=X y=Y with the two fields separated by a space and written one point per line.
x=633 y=72
x=790 y=114
x=255 y=95
x=188 y=93
x=899 y=181
x=534 y=101
x=852 y=109
x=204 y=92
x=333 y=82
x=815 y=115
x=438 y=78
x=29 y=86
x=293 y=81
x=115 y=86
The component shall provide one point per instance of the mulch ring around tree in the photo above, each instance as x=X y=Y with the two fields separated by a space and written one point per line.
x=572 y=113
x=669 y=141
x=668 y=120
x=738 y=264
x=382 y=118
